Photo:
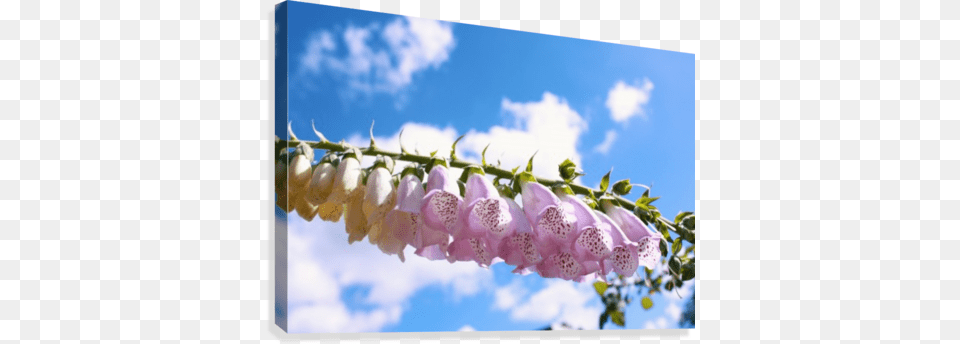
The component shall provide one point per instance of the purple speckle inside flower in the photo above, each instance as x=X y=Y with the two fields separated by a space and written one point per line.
x=490 y=216
x=479 y=250
x=524 y=242
x=594 y=241
x=569 y=267
x=556 y=222
x=649 y=250
x=623 y=260
x=444 y=204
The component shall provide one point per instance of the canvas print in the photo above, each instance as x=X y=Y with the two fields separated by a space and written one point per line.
x=435 y=176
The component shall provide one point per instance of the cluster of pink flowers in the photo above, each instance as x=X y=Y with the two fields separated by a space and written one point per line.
x=553 y=234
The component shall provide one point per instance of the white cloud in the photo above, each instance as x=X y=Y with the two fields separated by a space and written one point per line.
x=467 y=328
x=548 y=127
x=604 y=147
x=322 y=264
x=625 y=101
x=560 y=301
x=673 y=310
x=379 y=58
x=508 y=296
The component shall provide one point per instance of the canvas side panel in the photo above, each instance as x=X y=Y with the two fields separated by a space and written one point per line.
x=280 y=122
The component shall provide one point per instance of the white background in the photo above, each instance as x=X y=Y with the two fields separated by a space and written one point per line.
x=135 y=148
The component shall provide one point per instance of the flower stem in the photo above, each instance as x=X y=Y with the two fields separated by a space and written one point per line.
x=460 y=163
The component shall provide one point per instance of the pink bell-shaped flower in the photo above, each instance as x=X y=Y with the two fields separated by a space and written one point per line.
x=593 y=242
x=519 y=247
x=624 y=258
x=442 y=201
x=648 y=241
x=405 y=216
x=487 y=214
x=565 y=266
x=408 y=223
x=484 y=219
x=553 y=222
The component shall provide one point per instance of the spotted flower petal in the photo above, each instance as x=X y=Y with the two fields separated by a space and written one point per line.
x=553 y=222
x=624 y=258
x=519 y=247
x=466 y=248
x=487 y=213
x=592 y=237
x=647 y=240
x=440 y=208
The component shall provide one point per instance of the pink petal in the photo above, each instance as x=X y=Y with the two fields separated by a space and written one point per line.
x=433 y=252
x=489 y=215
x=439 y=179
x=536 y=198
x=628 y=222
x=593 y=244
x=625 y=260
x=404 y=224
x=649 y=251
x=410 y=194
x=556 y=225
x=440 y=210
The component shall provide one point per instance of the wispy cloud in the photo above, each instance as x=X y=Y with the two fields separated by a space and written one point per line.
x=548 y=127
x=558 y=302
x=377 y=57
x=322 y=265
x=467 y=328
x=625 y=100
x=604 y=147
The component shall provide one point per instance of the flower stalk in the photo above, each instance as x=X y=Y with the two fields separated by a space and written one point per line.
x=460 y=163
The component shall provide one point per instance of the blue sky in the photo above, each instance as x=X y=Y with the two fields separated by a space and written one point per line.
x=602 y=105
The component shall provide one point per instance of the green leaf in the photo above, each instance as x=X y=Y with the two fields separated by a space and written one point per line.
x=453 y=149
x=646 y=302
x=680 y=216
x=483 y=156
x=622 y=187
x=530 y=162
x=690 y=222
x=605 y=181
x=618 y=318
x=603 y=319
x=674 y=265
x=600 y=287
x=677 y=244
x=663 y=248
x=688 y=271
x=646 y=193
x=403 y=150
x=668 y=286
